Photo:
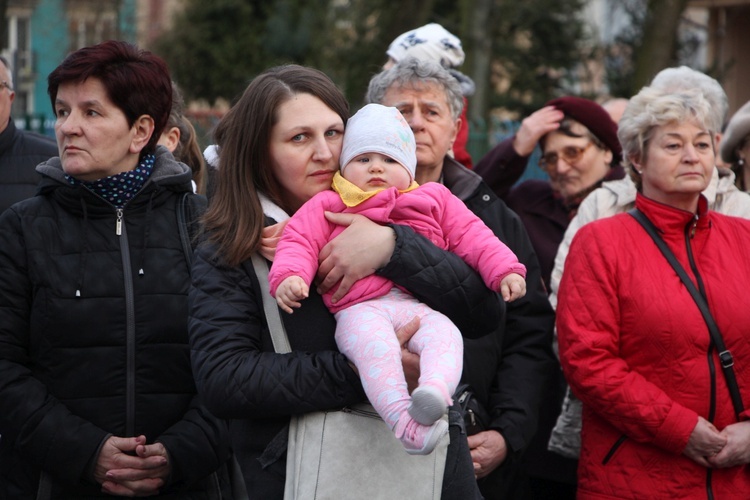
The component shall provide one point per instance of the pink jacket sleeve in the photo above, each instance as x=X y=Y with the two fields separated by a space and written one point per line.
x=304 y=236
x=470 y=238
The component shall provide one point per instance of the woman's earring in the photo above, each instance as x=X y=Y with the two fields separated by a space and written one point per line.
x=636 y=167
x=741 y=162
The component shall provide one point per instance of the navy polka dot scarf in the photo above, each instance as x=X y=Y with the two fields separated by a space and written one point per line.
x=120 y=188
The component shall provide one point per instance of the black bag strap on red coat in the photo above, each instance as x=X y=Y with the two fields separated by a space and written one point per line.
x=727 y=362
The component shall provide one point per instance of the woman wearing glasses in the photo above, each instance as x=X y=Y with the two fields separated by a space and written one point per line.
x=579 y=151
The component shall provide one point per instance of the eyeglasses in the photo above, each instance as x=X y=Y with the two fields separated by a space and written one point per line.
x=6 y=85
x=570 y=154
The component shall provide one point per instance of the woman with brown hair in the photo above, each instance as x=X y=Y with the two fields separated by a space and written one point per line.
x=278 y=146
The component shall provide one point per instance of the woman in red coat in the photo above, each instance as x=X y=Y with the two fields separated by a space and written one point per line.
x=658 y=418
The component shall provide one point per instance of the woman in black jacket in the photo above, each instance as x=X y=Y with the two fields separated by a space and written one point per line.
x=96 y=391
x=279 y=146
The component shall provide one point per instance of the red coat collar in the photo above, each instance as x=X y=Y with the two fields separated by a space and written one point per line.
x=669 y=219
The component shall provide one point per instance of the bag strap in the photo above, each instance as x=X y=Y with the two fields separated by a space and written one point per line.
x=727 y=362
x=270 y=307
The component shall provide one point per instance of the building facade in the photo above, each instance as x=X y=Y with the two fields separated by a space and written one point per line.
x=715 y=32
x=42 y=32
x=728 y=42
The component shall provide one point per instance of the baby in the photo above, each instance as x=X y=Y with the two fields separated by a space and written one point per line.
x=376 y=179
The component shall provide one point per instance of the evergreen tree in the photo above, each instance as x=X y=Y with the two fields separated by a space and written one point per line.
x=648 y=43
x=537 y=48
x=217 y=47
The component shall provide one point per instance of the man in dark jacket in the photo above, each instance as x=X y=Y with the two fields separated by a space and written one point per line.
x=507 y=370
x=20 y=151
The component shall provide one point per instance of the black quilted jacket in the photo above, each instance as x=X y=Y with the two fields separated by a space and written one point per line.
x=20 y=153
x=243 y=380
x=508 y=370
x=93 y=336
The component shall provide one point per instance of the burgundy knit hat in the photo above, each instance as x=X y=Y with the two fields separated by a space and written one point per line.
x=594 y=118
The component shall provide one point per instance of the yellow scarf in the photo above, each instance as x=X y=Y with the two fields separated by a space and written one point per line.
x=352 y=196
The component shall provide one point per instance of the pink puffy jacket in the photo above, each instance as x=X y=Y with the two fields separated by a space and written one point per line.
x=431 y=210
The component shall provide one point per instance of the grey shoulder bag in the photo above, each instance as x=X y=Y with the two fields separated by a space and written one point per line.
x=349 y=453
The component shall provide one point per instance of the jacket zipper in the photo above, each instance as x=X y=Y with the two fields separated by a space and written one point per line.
x=689 y=235
x=614 y=448
x=121 y=232
x=118 y=224
x=129 y=326
x=469 y=412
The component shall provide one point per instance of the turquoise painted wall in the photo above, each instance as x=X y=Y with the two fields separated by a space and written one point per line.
x=128 y=27
x=50 y=42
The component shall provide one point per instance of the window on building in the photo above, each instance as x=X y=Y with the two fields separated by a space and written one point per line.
x=91 y=22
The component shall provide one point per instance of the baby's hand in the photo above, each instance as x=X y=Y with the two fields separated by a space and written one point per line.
x=512 y=287
x=290 y=292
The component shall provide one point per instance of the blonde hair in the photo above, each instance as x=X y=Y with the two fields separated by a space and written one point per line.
x=655 y=107
x=684 y=78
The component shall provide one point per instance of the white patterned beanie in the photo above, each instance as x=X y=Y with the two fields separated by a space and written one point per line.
x=380 y=129
x=430 y=42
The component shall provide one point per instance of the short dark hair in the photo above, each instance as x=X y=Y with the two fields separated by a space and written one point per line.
x=136 y=81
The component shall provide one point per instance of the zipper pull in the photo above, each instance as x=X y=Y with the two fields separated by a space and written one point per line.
x=118 y=228
x=695 y=225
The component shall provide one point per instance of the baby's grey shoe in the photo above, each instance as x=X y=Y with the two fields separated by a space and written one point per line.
x=427 y=405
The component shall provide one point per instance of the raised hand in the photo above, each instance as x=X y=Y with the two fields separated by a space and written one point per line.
x=534 y=126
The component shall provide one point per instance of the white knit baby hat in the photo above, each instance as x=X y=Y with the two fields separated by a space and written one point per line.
x=380 y=129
